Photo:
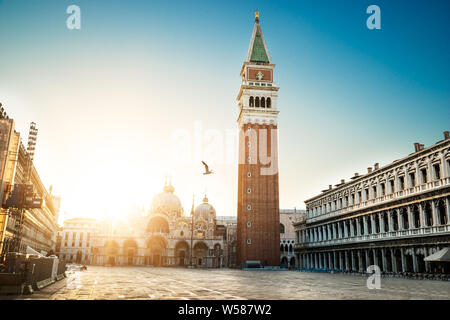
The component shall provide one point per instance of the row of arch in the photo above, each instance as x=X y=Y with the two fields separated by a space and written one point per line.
x=155 y=252
x=389 y=259
x=260 y=102
x=425 y=214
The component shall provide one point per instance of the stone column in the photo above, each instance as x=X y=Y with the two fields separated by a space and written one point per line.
x=358 y=227
x=334 y=231
x=402 y=251
x=434 y=213
x=422 y=215
x=381 y=220
x=334 y=260
x=375 y=258
x=410 y=217
x=360 y=264
x=389 y=217
x=339 y=229
x=366 y=230
x=346 y=261
x=394 y=261
x=366 y=253
x=414 y=258
x=345 y=229
x=372 y=224
x=383 y=258
x=341 y=264
x=330 y=266
x=427 y=263
x=352 y=229
x=352 y=254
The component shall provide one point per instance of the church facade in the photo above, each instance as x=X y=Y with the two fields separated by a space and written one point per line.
x=258 y=219
x=164 y=237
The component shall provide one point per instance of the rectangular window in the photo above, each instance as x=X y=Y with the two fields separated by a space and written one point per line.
x=392 y=186
x=383 y=189
x=401 y=183
x=366 y=194
x=359 y=196
x=423 y=172
x=437 y=171
x=412 y=179
x=374 y=190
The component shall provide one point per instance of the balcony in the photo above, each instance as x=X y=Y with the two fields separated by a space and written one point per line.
x=392 y=235
x=382 y=199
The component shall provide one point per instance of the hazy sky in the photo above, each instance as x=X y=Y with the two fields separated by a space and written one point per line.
x=108 y=98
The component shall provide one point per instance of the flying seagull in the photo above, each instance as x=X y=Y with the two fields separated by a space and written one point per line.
x=207 y=171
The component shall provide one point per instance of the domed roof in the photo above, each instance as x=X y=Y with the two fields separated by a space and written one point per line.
x=166 y=202
x=204 y=210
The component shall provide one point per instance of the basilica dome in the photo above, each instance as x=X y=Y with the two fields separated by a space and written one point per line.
x=205 y=211
x=166 y=202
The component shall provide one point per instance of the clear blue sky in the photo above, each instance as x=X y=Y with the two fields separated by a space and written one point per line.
x=138 y=70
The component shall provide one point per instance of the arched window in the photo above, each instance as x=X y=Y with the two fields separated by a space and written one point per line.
x=251 y=102
x=263 y=102
x=257 y=102
x=281 y=248
x=268 y=103
x=281 y=228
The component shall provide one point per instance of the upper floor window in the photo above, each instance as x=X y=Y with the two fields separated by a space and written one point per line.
x=383 y=189
x=401 y=183
x=257 y=102
x=423 y=173
x=268 y=103
x=412 y=179
x=251 y=102
x=281 y=228
x=437 y=171
x=392 y=185
x=263 y=102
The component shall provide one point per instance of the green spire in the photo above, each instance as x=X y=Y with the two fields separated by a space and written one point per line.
x=259 y=53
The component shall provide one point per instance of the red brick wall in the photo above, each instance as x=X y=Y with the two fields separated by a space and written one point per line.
x=264 y=215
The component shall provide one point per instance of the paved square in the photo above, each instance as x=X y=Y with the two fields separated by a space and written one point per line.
x=177 y=283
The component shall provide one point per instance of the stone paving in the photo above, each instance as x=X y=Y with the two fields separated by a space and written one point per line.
x=178 y=283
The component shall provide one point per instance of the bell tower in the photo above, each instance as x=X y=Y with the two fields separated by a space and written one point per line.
x=258 y=217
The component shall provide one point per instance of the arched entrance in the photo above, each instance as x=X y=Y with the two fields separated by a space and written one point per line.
x=111 y=249
x=292 y=263
x=156 y=251
x=398 y=260
x=79 y=257
x=200 y=253
x=284 y=262
x=181 y=252
x=130 y=248
x=388 y=257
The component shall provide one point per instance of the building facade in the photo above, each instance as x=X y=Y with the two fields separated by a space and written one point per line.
x=258 y=216
x=165 y=236
x=392 y=216
x=288 y=239
x=76 y=240
x=38 y=226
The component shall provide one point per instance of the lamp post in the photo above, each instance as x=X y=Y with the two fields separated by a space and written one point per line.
x=192 y=228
